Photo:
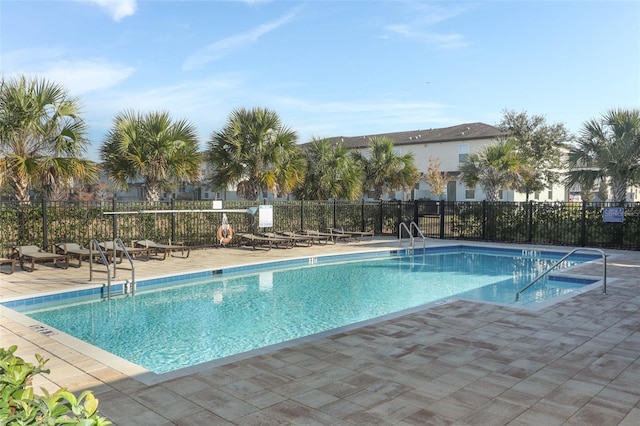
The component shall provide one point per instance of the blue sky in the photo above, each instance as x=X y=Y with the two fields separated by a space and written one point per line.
x=330 y=68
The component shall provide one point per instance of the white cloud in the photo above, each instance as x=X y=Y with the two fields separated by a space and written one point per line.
x=203 y=102
x=445 y=41
x=184 y=98
x=419 y=26
x=86 y=76
x=221 y=48
x=77 y=76
x=16 y=61
x=118 y=9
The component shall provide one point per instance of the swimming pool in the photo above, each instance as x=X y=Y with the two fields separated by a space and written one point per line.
x=182 y=321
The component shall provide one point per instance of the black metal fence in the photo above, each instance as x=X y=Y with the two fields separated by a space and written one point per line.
x=195 y=223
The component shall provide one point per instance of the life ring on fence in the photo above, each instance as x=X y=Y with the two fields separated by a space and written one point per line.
x=225 y=236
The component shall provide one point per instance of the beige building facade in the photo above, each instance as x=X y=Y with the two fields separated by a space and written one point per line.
x=450 y=146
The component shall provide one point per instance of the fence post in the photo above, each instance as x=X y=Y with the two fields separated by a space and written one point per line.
x=399 y=207
x=530 y=222
x=301 y=215
x=583 y=227
x=380 y=216
x=442 y=208
x=115 y=218
x=484 y=219
x=334 y=213
x=173 y=221
x=45 y=229
x=362 y=217
x=415 y=215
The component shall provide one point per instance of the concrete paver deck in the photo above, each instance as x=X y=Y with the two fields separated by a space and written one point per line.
x=576 y=362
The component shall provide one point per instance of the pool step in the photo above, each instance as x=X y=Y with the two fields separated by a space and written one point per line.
x=124 y=289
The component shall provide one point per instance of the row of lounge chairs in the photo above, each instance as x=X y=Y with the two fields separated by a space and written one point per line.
x=307 y=238
x=63 y=253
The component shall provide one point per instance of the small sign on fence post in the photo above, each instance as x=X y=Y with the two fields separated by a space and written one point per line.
x=265 y=216
x=613 y=214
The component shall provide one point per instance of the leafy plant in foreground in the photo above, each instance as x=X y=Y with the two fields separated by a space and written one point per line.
x=20 y=406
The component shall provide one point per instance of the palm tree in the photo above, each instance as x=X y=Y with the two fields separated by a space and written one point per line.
x=257 y=153
x=495 y=166
x=151 y=147
x=331 y=173
x=608 y=150
x=384 y=169
x=42 y=137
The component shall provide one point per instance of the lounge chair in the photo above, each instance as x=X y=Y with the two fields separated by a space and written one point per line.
x=76 y=251
x=314 y=238
x=294 y=239
x=262 y=241
x=332 y=237
x=35 y=254
x=359 y=235
x=165 y=249
x=10 y=262
x=115 y=250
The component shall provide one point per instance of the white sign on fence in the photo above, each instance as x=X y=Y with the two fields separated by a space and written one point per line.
x=265 y=216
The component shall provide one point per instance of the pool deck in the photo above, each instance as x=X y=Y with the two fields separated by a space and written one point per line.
x=576 y=362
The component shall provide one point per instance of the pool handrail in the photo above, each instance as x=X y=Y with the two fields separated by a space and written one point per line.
x=94 y=244
x=565 y=257
x=118 y=242
x=411 y=237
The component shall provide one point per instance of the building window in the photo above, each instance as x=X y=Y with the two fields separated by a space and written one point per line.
x=536 y=195
x=500 y=194
x=469 y=194
x=550 y=194
x=463 y=152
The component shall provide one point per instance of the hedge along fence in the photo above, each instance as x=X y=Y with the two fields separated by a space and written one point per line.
x=571 y=224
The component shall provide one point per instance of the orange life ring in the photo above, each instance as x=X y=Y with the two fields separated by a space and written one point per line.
x=225 y=238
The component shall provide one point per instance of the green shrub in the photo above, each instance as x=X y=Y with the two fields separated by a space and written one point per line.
x=20 y=406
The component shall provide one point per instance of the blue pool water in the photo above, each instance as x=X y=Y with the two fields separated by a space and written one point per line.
x=184 y=322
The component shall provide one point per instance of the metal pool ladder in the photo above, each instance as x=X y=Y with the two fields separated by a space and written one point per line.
x=95 y=245
x=132 y=284
x=412 y=238
x=117 y=243
x=604 y=269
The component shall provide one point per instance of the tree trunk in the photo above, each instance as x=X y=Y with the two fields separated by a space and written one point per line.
x=619 y=190
x=20 y=188
x=378 y=192
x=491 y=193
x=153 y=192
